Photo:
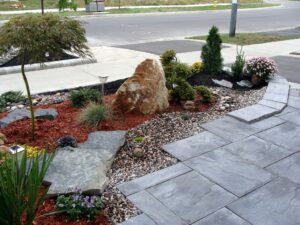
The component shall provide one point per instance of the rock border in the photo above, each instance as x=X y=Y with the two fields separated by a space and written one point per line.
x=273 y=102
x=47 y=65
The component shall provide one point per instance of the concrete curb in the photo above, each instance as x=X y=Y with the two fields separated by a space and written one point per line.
x=273 y=102
x=48 y=65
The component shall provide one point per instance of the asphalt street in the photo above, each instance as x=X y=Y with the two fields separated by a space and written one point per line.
x=112 y=30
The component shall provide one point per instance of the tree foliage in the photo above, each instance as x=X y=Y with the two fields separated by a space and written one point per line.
x=38 y=37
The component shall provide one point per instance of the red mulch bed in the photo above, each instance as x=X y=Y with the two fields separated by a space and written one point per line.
x=48 y=131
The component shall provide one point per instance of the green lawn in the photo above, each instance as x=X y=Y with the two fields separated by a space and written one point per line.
x=249 y=38
x=35 y=4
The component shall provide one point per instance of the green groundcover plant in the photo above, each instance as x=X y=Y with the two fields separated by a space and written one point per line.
x=21 y=179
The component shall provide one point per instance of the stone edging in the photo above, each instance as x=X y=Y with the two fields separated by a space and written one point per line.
x=48 y=65
x=273 y=102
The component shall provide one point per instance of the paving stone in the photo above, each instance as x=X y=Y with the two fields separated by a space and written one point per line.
x=257 y=151
x=294 y=102
x=279 y=79
x=195 y=145
x=276 y=105
x=222 y=217
x=139 y=220
x=152 y=179
x=286 y=110
x=267 y=123
x=293 y=117
x=230 y=171
x=288 y=167
x=285 y=135
x=278 y=88
x=276 y=203
x=253 y=113
x=191 y=196
x=158 y=212
x=230 y=128
x=295 y=92
x=276 y=97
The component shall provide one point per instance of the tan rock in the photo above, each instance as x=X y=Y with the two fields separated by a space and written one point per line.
x=188 y=105
x=145 y=92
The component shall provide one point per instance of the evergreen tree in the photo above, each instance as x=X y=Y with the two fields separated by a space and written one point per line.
x=211 y=52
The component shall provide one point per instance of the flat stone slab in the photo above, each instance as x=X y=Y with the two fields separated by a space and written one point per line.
x=245 y=83
x=222 y=217
x=152 y=179
x=19 y=114
x=293 y=117
x=276 y=97
x=195 y=145
x=276 y=203
x=229 y=171
x=84 y=167
x=142 y=219
x=278 y=88
x=295 y=92
x=191 y=196
x=276 y=105
x=288 y=167
x=253 y=113
x=154 y=209
x=294 y=102
x=257 y=151
x=286 y=110
x=285 y=135
x=223 y=83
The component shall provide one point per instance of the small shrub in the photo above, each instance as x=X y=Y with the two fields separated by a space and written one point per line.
x=206 y=94
x=185 y=116
x=139 y=139
x=67 y=141
x=78 y=205
x=63 y=4
x=93 y=114
x=21 y=179
x=167 y=57
x=262 y=67
x=238 y=65
x=182 y=70
x=13 y=96
x=197 y=67
x=82 y=97
x=182 y=91
x=211 y=52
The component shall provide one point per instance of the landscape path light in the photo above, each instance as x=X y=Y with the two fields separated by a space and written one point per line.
x=103 y=80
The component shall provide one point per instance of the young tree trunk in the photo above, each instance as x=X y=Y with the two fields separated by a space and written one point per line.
x=29 y=97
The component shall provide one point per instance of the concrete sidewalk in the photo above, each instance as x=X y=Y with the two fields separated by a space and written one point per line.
x=119 y=63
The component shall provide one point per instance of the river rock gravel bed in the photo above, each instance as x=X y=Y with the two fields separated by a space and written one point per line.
x=147 y=139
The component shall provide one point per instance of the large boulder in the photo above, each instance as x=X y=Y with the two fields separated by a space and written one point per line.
x=145 y=92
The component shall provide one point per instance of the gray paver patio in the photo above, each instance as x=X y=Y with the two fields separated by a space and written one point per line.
x=285 y=135
x=222 y=217
x=257 y=151
x=276 y=203
x=234 y=173
x=229 y=171
x=195 y=145
x=288 y=167
x=191 y=196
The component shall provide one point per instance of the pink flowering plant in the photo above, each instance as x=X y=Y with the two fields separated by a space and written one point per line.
x=262 y=67
x=78 y=205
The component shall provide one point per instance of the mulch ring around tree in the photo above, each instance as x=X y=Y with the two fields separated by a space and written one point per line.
x=66 y=123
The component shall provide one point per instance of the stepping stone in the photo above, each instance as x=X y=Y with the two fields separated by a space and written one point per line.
x=276 y=203
x=253 y=113
x=138 y=220
x=257 y=151
x=154 y=209
x=294 y=102
x=285 y=135
x=278 y=88
x=233 y=129
x=276 y=105
x=276 y=97
x=222 y=217
x=85 y=167
x=195 y=145
x=288 y=167
x=190 y=196
x=293 y=117
x=229 y=171
x=152 y=179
